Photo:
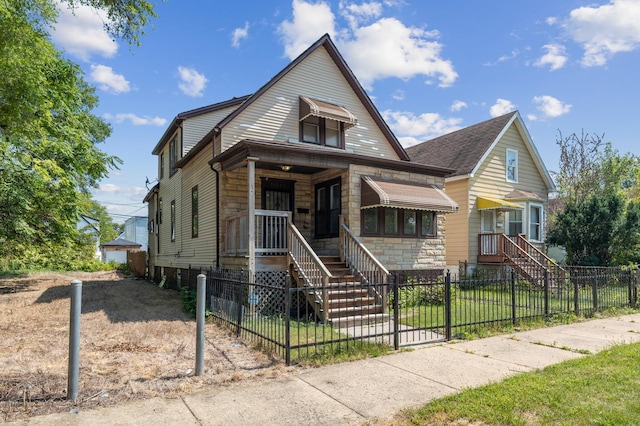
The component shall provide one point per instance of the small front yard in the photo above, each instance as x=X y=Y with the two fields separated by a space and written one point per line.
x=136 y=343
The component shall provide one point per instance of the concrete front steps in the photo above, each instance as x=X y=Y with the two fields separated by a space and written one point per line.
x=349 y=304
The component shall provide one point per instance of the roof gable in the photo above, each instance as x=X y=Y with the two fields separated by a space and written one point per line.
x=465 y=150
x=326 y=43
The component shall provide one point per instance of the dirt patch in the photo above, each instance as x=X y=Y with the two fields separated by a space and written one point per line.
x=136 y=343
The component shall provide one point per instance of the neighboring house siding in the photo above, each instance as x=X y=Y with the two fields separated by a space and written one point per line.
x=195 y=128
x=490 y=180
x=457 y=246
x=275 y=115
x=201 y=250
x=169 y=190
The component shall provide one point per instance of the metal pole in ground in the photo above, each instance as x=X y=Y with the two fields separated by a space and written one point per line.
x=74 y=339
x=201 y=296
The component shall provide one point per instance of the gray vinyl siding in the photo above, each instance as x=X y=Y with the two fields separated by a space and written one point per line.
x=275 y=115
x=201 y=250
x=195 y=128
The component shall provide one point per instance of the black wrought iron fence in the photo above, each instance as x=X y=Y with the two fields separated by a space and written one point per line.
x=411 y=307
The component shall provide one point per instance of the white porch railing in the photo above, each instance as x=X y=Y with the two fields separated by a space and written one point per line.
x=270 y=232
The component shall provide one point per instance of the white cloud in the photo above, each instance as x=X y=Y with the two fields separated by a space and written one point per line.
x=555 y=57
x=192 y=82
x=605 y=30
x=108 y=80
x=458 y=105
x=398 y=95
x=501 y=107
x=413 y=129
x=550 y=106
x=81 y=33
x=385 y=48
x=134 y=193
x=357 y=14
x=135 y=119
x=310 y=22
x=239 y=34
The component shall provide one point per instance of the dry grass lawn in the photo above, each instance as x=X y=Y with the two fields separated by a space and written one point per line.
x=136 y=342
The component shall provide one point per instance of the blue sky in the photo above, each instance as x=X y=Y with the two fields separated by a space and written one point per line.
x=431 y=67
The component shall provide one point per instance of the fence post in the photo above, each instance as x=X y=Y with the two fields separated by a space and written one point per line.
x=200 y=313
x=546 y=293
x=513 y=297
x=447 y=306
x=240 y=300
x=396 y=310
x=594 y=290
x=287 y=318
x=74 y=339
x=576 y=296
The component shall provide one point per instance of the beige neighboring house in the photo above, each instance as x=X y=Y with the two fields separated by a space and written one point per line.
x=302 y=177
x=502 y=188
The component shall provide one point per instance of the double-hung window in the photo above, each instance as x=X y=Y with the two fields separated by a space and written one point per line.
x=512 y=165
x=194 y=211
x=174 y=154
x=535 y=222
x=173 y=220
x=324 y=123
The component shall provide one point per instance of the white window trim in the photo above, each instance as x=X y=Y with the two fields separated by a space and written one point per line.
x=524 y=219
x=541 y=207
x=506 y=171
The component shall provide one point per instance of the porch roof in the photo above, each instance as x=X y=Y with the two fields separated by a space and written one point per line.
x=488 y=203
x=309 y=158
x=317 y=108
x=377 y=192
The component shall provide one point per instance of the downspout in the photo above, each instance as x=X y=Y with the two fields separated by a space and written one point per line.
x=213 y=150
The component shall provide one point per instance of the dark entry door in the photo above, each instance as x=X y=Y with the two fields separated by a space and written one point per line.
x=277 y=194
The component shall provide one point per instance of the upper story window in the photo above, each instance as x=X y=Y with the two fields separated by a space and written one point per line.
x=161 y=171
x=512 y=165
x=174 y=154
x=324 y=123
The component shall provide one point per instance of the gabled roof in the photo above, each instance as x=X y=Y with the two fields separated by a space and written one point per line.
x=466 y=149
x=325 y=41
x=177 y=121
x=119 y=242
x=463 y=149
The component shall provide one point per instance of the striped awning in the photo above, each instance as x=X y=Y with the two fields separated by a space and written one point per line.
x=377 y=192
x=316 y=108
x=488 y=203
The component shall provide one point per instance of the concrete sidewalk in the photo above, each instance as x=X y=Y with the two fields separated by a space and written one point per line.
x=377 y=388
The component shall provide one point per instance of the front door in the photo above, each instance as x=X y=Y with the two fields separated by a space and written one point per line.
x=277 y=194
x=488 y=226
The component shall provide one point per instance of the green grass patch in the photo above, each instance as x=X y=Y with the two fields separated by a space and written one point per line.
x=601 y=389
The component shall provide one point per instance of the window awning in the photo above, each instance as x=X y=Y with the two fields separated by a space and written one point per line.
x=487 y=203
x=316 y=108
x=378 y=192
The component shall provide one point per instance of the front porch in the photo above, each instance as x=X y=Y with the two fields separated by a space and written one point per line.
x=517 y=252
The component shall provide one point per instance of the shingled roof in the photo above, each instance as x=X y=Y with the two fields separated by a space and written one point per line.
x=463 y=149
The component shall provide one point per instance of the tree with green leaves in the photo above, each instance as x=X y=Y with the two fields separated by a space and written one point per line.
x=49 y=154
x=600 y=220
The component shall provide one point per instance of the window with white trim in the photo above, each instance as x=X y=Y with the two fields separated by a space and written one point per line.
x=515 y=222
x=512 y=165
x=535 y=222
